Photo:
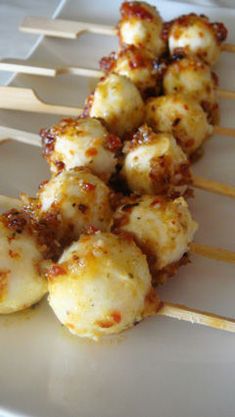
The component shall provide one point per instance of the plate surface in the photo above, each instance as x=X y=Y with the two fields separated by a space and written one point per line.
x=163 y=367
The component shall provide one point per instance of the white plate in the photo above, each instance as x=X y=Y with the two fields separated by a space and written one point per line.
x=161 y=368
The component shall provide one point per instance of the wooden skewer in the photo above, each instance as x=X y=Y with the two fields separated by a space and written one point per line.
x=69 y=29
x=225 y=94
x=198 y=182
x=7 y=203
x=213 y=186
x=224 y=131
x=19 y=136
x=228 y=47
x=22 y=67
x=25 y=99
x=59 y=28
x=181 y=312
x=217 y=254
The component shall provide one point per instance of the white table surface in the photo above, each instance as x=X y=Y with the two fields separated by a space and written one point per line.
x=16 y=44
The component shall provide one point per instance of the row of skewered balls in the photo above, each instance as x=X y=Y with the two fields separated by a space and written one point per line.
x=141 y=26
x=170 y=57
x=100 y=254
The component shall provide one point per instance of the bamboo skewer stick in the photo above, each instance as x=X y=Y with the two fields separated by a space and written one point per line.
x=69 y=29
x=181 y=312
x=217 y=254
x=228 y=47
x=213 y=186
x=22 y=67
x=25 y=99
x=60 y=28
x=224 y=131
x=226 y=94
x=9 y=202
x=19 y=136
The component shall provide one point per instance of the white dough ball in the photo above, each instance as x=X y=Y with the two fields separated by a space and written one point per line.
x=76 y=199
x=154 y=163
x=182 y=116
x=22 y=282
x=190 y=76
x=141 y=26
x=162 y=227
x=118 y=102
x=194 y=35
x=81 y=142
x=101 y=286
x=138 y=66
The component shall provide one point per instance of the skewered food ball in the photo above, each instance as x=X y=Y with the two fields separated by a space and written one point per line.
x=193 y=77
x=154 y=163
x=194 y=35
x=136 y=64
x=141 y=25
x=182 y=116
x=101 y=286
x=81 y=142
x=118 y=102
x=22 y=282
x=75 y=200
x=163 y=228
